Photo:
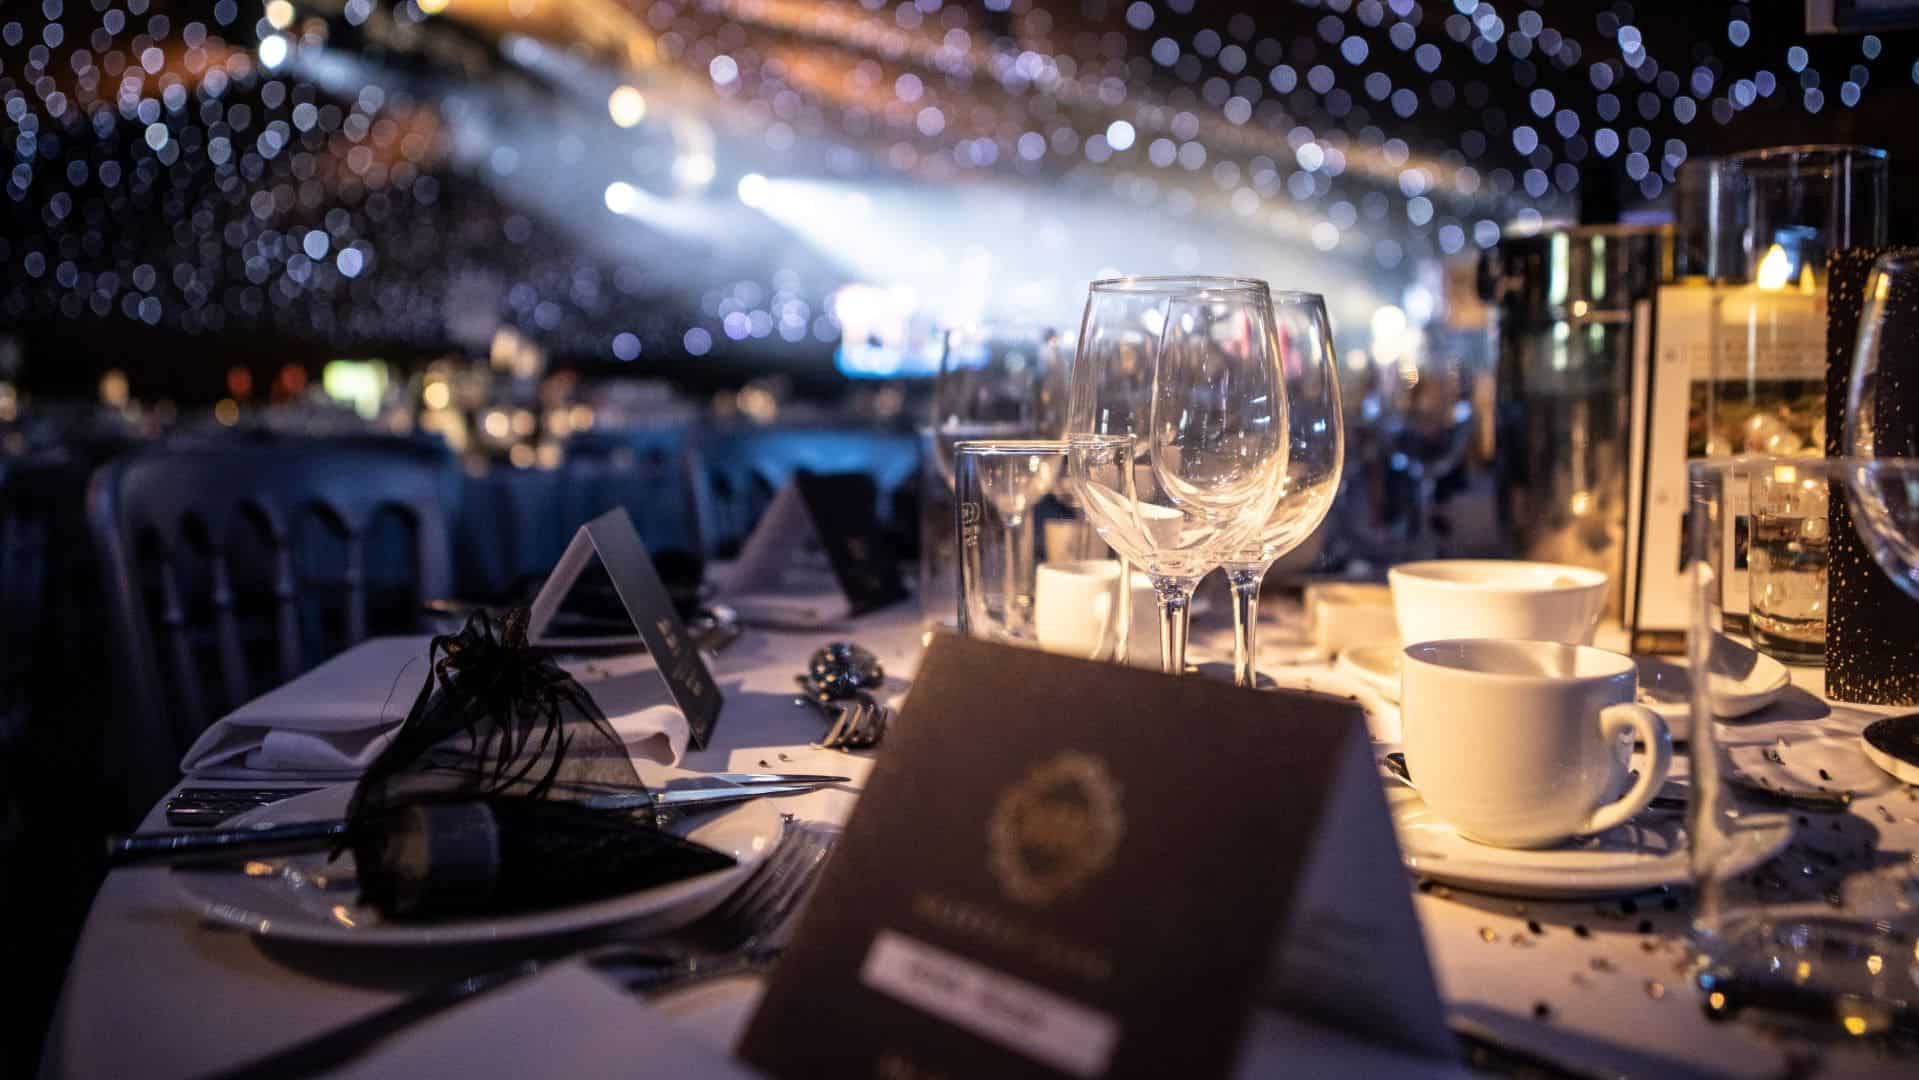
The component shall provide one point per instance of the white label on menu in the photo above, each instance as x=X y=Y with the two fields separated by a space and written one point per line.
x=1012 y=1012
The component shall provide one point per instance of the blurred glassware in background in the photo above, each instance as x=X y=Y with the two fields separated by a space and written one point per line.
x=995 y=381
x=1419 y=418
x=998 y=485
x=1572 y=305
x=1820 y=937
x=1315 y=455
x=1178 y=428
x=1784 y=210
x=1786 y=566
x=939 y=542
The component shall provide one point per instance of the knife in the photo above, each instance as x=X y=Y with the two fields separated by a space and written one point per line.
x=677 y=796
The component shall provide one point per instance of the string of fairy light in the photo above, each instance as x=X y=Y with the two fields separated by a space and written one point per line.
x=201 y=173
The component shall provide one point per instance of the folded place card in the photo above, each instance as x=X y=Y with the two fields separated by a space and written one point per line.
x=612 y=538
x=1063 y=868
x=834 y=515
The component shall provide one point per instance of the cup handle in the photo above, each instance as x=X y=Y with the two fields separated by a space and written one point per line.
x=1648 y=727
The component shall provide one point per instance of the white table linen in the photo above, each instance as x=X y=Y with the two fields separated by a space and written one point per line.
x=152 y=992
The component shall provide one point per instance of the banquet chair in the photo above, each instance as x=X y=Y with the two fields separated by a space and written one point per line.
x=652 y=472
x=233 y=566
x=514 y=523
x=745 y=468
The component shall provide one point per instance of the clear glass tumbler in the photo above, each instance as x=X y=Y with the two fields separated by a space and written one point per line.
x=1802 y=849
x=1047 y=587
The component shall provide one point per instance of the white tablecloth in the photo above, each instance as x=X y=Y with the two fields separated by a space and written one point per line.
x=152 y=992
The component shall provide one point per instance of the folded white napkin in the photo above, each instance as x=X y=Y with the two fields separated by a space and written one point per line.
x=334 y=720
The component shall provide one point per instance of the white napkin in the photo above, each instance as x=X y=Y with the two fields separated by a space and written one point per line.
x=334 y=720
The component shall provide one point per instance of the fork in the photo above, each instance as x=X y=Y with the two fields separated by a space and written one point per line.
x=742 y=935
x=861 y=723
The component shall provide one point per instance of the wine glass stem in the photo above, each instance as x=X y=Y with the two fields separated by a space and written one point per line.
x=1175 y=602
x=1016 y=566
x=1245 y=581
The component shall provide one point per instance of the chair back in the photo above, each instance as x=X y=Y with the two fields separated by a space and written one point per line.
x=745 y=468
x=652 y=472
x=234 y=566
x=23 y=581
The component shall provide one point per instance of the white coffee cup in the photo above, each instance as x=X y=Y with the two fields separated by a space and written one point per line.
x=1075 y=604
x=1520 y=743
x=1496 y=598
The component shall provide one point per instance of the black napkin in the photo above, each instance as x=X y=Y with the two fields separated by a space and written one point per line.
x=506 y=789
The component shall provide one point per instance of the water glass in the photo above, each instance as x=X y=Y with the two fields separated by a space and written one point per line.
x=1786 y=562
x=939 y=550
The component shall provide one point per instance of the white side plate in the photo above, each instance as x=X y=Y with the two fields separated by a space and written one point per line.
x=306 y=898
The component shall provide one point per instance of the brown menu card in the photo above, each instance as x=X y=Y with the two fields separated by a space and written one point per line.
x=1064 y=868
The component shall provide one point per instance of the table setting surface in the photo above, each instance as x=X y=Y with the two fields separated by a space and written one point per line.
x=1601 y=985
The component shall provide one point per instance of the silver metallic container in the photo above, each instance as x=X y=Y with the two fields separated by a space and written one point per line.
x=1569 y=305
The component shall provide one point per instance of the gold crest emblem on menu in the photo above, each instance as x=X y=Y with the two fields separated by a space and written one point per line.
x=1057 y=827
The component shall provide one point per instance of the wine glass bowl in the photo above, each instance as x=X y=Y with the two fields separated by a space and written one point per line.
x=997 y=381
x=1882 y=421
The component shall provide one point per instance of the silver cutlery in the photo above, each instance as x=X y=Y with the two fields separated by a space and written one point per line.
x=838 y=684
x=743 y=935
x=677 y=797
x=200 y=807
x=859 y=725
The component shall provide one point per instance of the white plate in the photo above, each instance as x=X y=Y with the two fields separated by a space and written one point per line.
x=1647 y=853
x=1375 y=665
x=1382 y=716
x=304 y=898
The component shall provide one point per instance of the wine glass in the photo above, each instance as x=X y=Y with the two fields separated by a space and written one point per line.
x=1882 y=421
x=997 y=381
x=1177 y=428
x=1315 y=455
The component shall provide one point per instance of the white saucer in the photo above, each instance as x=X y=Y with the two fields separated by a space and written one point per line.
x=304 y=898
x=1644 y=854
x=1887 y=744
x=1375 y=665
